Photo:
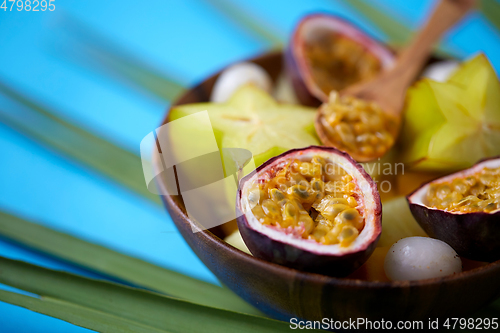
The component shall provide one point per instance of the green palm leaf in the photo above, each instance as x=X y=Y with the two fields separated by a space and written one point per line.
x=251 y=24
x=397 y=32
x=88 y=46
x=133 y=270
x=491 y=10
x=125 y=168
x=77 y=315
x=109 y=307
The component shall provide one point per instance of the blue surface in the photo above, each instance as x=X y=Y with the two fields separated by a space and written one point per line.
x=19 y=320
x=47 y=187
x=185 y=40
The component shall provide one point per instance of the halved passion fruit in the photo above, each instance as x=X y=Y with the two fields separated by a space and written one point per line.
x=326 y=53
x=313 y=209
x=357 y=127
x=463 y=209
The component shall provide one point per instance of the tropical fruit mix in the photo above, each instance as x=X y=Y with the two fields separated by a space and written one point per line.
x=318 y=202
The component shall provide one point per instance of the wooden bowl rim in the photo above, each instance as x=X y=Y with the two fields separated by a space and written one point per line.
x=212 y=239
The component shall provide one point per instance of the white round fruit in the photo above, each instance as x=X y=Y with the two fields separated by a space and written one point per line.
x=416 y=258
x=236 y=76
x=440 y=71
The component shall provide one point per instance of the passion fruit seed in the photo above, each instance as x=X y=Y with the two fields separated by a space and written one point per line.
x=271 y=209
x=358 y=127
x=347 y=235
x=476 y=193
x=337 y=62
x=351 y=216
x=317 y=207
x=275 y=194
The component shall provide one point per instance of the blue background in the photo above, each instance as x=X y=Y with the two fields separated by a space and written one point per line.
x=185 y=40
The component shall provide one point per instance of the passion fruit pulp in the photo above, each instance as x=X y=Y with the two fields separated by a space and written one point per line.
x=357 y=127
x=313 y=209
x=463 y=209
x=326 y=53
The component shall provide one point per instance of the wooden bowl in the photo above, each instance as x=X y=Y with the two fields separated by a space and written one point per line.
x=283 y=293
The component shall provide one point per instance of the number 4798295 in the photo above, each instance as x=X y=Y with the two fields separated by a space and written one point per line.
x=28 y=5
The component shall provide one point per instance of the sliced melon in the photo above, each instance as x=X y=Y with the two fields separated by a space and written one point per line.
x=398 y=222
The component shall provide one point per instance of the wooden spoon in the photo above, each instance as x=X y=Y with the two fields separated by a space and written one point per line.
x=388 y=89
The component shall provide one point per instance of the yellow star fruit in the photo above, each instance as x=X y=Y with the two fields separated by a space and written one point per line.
x=451 y=125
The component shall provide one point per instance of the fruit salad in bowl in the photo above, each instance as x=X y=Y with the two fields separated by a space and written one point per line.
x=312 y=227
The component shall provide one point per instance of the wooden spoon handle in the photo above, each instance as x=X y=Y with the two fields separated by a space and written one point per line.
x=445 y=15
x=388 y=89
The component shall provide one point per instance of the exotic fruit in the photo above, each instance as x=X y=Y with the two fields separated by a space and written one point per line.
x=451 y=125
x=357 y=127
x=463 y=210
x=313 y=209
x=326 y=53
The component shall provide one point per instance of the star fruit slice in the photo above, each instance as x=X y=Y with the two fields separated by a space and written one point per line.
x=251 y=119
x=452 y=125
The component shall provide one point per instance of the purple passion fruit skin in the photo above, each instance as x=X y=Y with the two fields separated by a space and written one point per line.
x=344 y=69
x=286 y=247
x=473 y=233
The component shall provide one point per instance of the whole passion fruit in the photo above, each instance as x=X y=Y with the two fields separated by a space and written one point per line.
x=463 y=210
x=313 y=209
x=326 y=53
